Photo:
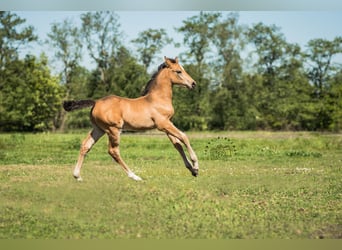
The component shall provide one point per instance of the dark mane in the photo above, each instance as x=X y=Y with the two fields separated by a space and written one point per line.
x=152 y=81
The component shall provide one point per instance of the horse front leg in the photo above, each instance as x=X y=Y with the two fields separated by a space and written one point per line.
x=170 y=129
x=177 y=144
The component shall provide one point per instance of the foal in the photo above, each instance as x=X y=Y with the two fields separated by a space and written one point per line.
x=154 y=109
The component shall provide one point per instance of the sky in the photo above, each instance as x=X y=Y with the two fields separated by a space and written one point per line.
x=297 y=26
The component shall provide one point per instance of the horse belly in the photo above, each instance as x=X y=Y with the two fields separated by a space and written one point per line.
x=137 y=120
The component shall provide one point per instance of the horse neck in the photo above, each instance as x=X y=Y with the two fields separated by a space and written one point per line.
x=162 y=88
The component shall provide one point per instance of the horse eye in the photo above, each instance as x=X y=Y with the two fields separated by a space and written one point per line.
x=178 y=71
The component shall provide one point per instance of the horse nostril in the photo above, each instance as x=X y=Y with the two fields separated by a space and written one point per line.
x=193 y=84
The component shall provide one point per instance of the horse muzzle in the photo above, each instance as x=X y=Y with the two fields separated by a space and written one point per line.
x=192 y=85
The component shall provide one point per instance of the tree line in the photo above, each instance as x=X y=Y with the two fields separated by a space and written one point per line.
x=277 y=86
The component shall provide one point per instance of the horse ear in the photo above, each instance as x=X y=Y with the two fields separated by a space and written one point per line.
x=176 y=59
x=167 y=61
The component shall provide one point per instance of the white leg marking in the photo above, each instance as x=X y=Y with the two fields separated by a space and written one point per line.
x=134 y=176
x=77 y=174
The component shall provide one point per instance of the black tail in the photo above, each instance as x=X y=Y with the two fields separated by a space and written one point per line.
x=72 y=105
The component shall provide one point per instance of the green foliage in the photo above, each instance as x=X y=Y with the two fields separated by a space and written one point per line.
x=101 y=34
x=196 y=31
x=334 y=99
x=65 y=39
x=130 y=77
x=191 y=107
x=323 y=75
x=149 y=43
x=78 y=119
x=127 y=78
x=12 y=37
x=30 y=97
x=284 y=100
x=320 y=53
x=230 y=94
x=280 y=87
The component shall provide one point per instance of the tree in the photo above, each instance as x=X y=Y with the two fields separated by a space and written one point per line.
x=270 y=46
x=284 y=100
x=64 y=38
x=78 y=90
x=319 y=56
x=149 y=43
x=196 y=30
x=101 y=33
x=31 y=96
x=321 y=73
x=334 y=100
x=12 y=38
x=192 y=107
x=131 y=78
x=229 y=97
x=296 y=107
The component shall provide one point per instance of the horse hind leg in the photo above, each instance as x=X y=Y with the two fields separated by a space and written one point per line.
x=113 y=150
x=87 y=144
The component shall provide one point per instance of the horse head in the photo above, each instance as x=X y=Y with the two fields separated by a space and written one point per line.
x=177 y=73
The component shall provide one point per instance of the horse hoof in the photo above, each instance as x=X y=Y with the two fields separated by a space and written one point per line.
x=134 y=176
x=194 y=172
x=78 y=178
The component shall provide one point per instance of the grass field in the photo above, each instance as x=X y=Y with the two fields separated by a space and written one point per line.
x=251 y=185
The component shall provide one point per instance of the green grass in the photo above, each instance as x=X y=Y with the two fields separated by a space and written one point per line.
x=251 y=185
